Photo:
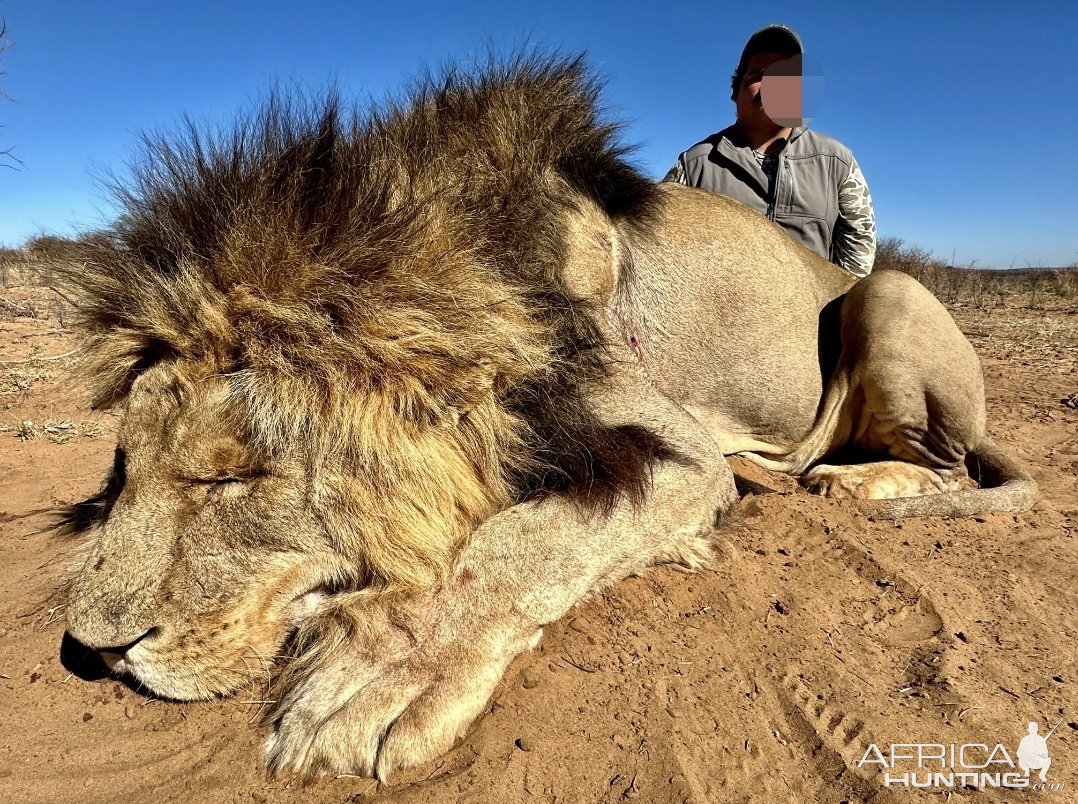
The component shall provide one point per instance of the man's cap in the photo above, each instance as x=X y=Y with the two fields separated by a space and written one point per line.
x=771 y=39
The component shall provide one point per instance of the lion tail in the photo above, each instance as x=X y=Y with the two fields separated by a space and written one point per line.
x=1005 y=486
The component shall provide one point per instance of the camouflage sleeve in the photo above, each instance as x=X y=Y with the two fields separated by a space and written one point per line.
x=676 y=173
x=855 y=234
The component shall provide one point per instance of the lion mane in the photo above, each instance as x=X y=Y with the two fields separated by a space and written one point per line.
x=384 y=290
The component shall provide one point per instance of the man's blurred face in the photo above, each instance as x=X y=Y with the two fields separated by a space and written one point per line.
x=783 y=92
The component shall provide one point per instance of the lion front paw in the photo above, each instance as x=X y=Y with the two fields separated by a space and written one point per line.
x=378 y=701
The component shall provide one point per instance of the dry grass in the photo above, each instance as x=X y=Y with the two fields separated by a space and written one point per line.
x=32 y=309
x=983 y=288
x=28 y=288
x=57 y=431
x=17 y=379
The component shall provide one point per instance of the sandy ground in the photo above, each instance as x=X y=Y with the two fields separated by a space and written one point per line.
x=766 y=679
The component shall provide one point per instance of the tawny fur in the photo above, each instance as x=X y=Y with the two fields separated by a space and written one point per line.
x=388 y=287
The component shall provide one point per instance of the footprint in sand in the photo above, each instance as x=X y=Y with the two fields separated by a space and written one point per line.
x=835 y=716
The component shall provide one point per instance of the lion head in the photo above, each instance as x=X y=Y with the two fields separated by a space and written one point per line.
x=340 y=340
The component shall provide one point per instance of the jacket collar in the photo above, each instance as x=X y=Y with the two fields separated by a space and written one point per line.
x=734 y=135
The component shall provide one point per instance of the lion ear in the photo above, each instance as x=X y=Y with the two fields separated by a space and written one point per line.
x=476 y=383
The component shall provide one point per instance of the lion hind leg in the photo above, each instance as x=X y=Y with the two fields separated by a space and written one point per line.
x=924 y=400
x=880 y=480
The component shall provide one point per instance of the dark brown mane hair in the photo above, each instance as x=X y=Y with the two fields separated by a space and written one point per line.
x=323 y=256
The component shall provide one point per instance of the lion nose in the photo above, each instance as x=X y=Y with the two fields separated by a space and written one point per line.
x=113 y=653
x=109 y=622
x=120 y=650
x=90 y=662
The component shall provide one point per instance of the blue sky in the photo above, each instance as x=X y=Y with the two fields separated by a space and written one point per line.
x=963 y=116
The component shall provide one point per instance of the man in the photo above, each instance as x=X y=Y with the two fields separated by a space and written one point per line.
x=806 y=182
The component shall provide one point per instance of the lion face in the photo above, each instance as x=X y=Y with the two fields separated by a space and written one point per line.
x=209 y=554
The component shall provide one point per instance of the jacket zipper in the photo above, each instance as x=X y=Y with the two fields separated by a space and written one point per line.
x=772 y=200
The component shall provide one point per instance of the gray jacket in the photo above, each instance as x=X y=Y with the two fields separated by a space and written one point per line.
x=819 y=195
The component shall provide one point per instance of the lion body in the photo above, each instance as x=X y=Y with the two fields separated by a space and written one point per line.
x=760 y=375
x=400 y=389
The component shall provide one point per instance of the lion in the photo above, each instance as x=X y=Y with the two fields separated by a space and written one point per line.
x=400 y=387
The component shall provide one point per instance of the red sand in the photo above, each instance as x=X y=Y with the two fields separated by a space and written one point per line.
x=766 y=679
